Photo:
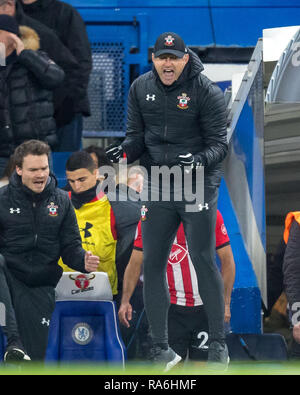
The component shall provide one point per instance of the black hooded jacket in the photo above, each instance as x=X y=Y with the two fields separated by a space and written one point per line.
x=69 y=26
x=188 y=116
x=35 y=230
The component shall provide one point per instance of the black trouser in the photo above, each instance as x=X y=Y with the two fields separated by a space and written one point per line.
x=159 y=229
x=28 y=313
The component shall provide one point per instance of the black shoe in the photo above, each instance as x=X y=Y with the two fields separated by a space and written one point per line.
x=15 y=353
x=218 y=357
x=167 y=358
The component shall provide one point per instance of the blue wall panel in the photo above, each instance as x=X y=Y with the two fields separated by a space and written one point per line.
x=243 y=26
x=200 y=22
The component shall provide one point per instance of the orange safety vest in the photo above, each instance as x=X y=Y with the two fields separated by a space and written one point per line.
x=288 y=223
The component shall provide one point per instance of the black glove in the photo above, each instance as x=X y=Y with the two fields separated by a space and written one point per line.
x=188 y=160
x=114 y=153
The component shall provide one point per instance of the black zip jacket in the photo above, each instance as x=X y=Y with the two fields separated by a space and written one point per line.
x=35 y=230
x=68 y=24
x=159 y=128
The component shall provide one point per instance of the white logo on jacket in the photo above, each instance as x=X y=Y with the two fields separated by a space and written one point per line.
x=200 y=207
x=150 y=97
x=45 y=322
x=14 y=210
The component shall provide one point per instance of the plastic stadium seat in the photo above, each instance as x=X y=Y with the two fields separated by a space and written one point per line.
x=58 y=161
x=84 y=324
x=257 y=347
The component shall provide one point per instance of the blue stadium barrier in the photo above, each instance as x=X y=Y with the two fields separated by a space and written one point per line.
x=246 y=297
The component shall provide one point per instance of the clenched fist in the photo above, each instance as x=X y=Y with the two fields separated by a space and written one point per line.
x=91 y=262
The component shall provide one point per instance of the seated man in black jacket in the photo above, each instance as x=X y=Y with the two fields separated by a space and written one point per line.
x=37 y=226
x=26 y=99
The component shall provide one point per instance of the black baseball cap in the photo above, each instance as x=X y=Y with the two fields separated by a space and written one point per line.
x=171 y=43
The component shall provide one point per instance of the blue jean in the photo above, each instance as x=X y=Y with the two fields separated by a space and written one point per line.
x=69 y=136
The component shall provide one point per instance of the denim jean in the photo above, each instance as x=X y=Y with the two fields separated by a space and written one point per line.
x=3 y=163
x=69 y=136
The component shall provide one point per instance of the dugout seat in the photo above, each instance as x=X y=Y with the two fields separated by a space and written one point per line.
x=84 y=325
x=257 y=347
x=2 y=345
x=58 y=166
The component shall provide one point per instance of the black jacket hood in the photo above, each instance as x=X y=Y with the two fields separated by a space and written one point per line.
x=195 y=62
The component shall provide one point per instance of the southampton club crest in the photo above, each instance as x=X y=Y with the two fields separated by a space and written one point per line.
x=52 y=209
x=183 y=101
x=144 y=211
x=169 y=41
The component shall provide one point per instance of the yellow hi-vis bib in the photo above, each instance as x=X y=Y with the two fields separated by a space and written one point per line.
x=95 y=222
x=288 y=223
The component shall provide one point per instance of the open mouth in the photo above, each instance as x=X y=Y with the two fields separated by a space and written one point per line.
x=38 y=183
x=168 y=72
x=168 y=76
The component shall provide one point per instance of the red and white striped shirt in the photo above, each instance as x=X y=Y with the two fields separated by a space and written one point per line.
x=181 y=275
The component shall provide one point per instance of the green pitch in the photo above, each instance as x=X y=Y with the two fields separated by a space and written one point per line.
x=235 y=368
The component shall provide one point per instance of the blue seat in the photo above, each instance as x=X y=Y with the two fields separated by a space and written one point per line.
x=85 y=331
x=84 y=325
x=2 y=345
x=58 y=166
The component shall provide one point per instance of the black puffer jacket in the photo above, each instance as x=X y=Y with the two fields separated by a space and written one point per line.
x=33 y=237
x=62 y=56
x=159 y=128
x=68 y=24
x=26 y=98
